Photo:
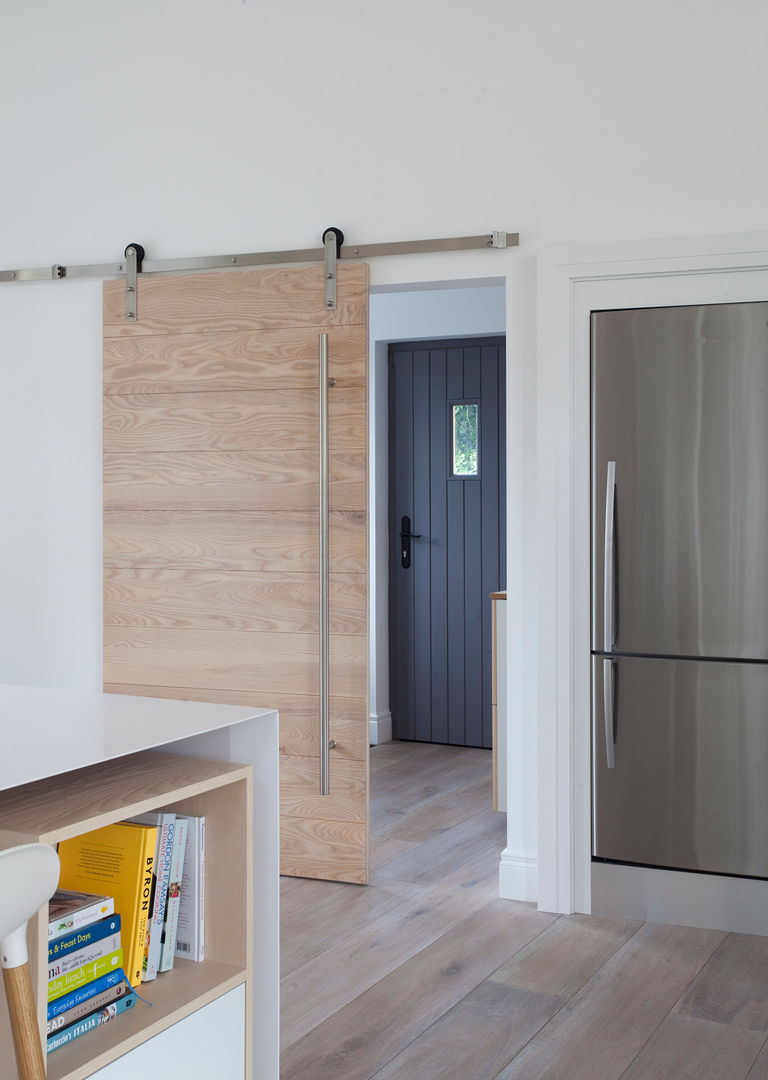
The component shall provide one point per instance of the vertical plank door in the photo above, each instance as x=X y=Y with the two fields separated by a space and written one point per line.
x=211 y=523
x=447 y=534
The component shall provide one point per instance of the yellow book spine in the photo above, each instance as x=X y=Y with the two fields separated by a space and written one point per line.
x=62 y=984
x=140 y=940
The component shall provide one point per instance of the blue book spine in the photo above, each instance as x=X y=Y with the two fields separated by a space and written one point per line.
x=89 y=990
x=101 y=1016
x=79 y=939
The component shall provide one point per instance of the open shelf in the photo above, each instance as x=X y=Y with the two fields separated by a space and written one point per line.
x=66 y=805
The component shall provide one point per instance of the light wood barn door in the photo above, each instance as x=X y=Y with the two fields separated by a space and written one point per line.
x=211 y=525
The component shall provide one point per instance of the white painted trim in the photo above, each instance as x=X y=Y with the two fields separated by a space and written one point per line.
x=381 y=728
x=571 y=281
x=518 y=876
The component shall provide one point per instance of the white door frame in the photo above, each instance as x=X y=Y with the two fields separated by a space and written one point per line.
x=571 y=282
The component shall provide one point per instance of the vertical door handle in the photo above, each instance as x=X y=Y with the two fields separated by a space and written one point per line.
x=609 y=561
x=325 y=745
x=608 y=710
x=405 y=542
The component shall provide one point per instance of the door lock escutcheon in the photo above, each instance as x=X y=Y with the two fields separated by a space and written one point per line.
x=405 y=542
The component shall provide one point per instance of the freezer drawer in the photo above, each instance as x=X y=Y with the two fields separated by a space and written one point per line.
x=680 y=405
x=689 y=783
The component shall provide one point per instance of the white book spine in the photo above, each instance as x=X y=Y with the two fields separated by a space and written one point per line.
x=190 y=930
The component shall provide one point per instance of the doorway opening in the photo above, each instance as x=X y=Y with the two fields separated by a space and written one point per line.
x=433 y=313
x=447 y=535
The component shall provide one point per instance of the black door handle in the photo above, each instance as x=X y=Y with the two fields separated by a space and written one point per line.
x=405 y=542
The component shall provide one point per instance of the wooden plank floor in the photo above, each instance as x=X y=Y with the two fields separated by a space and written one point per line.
x=425 y=974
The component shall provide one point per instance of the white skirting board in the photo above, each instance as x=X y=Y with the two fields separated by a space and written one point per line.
x=518 y=876
x=680 y=898
x=381 y=728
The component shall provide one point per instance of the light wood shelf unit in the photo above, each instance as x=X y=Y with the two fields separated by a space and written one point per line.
x=72 y=803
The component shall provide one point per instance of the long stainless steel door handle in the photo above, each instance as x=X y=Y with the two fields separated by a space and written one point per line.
x=608 y=698
x=609 y=562
x=325 y=745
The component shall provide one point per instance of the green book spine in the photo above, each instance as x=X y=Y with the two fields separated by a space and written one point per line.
x=85 y=974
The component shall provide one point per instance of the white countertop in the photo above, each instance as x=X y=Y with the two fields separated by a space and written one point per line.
x=46 y=732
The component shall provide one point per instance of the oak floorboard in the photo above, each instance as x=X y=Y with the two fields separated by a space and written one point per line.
x=441 y=813
x=387 y=754
x=433 y=780
x=317 y=989
x=500 y=1019
x=338 y=915
x=690 y=1049
x=513 y=1004
x=732 y=988
x=355 y=1042
x=759 y=1070
x=566 y=956
x=610 y=1019
x=431 y=860
x=384 y=848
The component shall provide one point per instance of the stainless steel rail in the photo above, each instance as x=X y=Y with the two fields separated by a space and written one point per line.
x=497 y=239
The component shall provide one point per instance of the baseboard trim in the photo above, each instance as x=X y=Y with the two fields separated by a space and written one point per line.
x=518 y=876
x=380 y=728
x=683 y=899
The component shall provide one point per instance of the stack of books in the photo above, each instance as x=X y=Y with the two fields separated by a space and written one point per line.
x=86 y=981
x=140 y=885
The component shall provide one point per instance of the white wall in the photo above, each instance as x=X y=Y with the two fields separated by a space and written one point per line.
x=50 y=485
x=407 y=315
x=211 y=125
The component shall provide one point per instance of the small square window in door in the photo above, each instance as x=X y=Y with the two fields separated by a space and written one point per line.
x=465 y=447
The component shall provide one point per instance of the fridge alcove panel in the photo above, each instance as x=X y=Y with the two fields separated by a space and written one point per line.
x=690 y=785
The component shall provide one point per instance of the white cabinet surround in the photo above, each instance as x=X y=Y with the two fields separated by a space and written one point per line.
x=49 y=732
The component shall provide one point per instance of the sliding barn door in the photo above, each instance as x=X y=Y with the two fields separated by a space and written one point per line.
x=211 y=523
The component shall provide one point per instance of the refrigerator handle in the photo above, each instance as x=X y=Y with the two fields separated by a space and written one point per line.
x=609 y=575
x=608 y=699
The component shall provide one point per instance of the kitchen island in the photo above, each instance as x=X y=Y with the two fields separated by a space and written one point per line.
x=72 y=761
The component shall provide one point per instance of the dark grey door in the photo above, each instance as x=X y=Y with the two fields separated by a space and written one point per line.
x=447 y=538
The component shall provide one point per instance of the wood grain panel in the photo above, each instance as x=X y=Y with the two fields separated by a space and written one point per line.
x=261 y=663
x=246 y=540
x=220 y=420
x=237 y=300
x=267 y=360
x=336 y=850
x=234 y=480
x=235 y=600
x=231 y=420
x=211 y=519
x=299 y=789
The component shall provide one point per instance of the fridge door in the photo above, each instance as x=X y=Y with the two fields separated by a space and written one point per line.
x=680 y=404
x=689 y=786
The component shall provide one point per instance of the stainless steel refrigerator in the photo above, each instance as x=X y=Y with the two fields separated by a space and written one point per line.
x=680 y=587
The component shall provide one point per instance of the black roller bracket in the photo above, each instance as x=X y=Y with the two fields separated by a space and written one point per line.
x=134 y=256
x=339 y=238
x=332 y=253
